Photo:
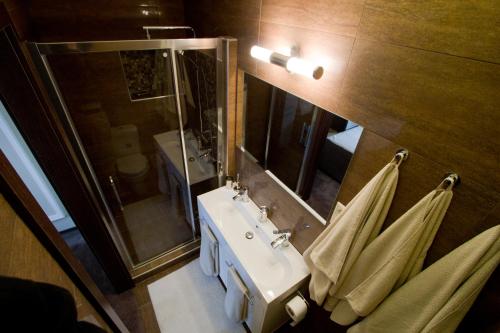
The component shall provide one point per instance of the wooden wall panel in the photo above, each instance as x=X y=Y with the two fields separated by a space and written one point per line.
x=61 y=20
x=23 y=256
x=330 y=49
x=16 y=10
x=443 y=107
x=227 y=18
x=464 y=28
x=338 y=16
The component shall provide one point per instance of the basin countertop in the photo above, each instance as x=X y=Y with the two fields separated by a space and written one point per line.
x=274 y=271
x=170 y=145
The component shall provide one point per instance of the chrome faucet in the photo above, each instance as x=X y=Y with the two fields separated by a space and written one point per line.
x=236 y=184
x=242 y=195
x=283 y=239
x=207 y=156
x=263 y=213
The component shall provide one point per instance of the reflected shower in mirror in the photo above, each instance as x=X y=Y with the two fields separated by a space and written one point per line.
x=307 y=148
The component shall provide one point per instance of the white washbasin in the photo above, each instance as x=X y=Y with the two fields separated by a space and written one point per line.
x=274 y=271
x=199 y=169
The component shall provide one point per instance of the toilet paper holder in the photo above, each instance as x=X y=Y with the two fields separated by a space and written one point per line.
x=303 y=298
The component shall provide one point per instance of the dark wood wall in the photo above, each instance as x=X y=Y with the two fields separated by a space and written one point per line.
x=60 y=20
x=15 y=11
x=422 y=75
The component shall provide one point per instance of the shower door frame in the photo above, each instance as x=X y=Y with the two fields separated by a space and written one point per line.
x=225 y=49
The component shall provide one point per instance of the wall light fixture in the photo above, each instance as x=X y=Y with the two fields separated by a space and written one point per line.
x=291 y=63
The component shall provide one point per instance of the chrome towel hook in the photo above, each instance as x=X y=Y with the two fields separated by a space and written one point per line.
x=401 y=155
x=450 y=180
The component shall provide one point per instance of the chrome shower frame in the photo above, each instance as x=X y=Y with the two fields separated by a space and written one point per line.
x=40 y=51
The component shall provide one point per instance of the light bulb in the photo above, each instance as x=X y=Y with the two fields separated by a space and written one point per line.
x=261 y=53
x=300 y=66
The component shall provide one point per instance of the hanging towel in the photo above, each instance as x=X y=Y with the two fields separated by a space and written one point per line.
x=236 y=302
x=390 y=260
x=209 y=252
x=437 y=299
x=333 y=252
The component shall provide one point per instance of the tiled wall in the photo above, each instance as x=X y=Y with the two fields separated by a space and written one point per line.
x=423 y=75
x=17 y=12
x=59 y=20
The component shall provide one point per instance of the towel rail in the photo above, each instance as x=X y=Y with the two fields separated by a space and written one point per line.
x=247 y=296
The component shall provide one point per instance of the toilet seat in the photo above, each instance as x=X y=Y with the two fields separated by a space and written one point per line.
x=132 y=165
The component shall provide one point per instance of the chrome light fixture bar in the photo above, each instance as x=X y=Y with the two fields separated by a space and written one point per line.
x=290 y=63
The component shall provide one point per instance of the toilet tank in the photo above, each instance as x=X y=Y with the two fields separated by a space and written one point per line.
x=125 y=140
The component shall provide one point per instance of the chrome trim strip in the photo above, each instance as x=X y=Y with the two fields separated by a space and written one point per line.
x=168 y=263
x=126 y=45
x=183 y=143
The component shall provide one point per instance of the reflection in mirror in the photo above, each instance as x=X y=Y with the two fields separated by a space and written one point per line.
x=307 y=148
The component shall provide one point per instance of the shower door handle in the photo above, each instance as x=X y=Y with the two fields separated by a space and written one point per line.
x=115 y=191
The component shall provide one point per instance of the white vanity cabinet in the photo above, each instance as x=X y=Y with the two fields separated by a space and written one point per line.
x=272 y=276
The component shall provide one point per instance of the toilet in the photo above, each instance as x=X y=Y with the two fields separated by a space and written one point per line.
x=131 y=164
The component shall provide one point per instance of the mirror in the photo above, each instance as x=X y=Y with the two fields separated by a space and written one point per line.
x=305 y=148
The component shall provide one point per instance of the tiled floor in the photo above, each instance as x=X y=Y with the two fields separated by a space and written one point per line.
x=154 y=225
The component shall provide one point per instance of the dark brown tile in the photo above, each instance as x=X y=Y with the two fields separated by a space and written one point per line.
x=331 y=51
x=286 y=212
x=211 y=23
x=338 y=16
x=442 y=107
x=455 y=27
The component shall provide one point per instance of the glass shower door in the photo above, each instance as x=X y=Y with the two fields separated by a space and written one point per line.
x=123 y=109
x=196 y=74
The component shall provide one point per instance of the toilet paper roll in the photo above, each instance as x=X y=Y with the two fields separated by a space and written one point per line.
x=296 y=309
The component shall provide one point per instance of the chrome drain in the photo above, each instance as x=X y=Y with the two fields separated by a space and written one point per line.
x=248 y=235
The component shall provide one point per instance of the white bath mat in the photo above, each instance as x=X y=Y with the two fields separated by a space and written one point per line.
x=187 y=301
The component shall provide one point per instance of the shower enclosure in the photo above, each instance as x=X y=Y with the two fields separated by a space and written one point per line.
x=146 y=121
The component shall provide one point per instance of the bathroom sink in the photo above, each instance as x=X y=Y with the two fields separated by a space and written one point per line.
x=272 y=276
x=274 y=271
x=199 y=169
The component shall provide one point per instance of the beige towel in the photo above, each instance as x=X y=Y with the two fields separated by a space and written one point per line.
x=437 y=299
x=209 y=256
x=390 y=260
x=333 y=252
x=236 y=301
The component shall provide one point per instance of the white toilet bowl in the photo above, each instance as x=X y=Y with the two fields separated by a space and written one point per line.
x=133 y=170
